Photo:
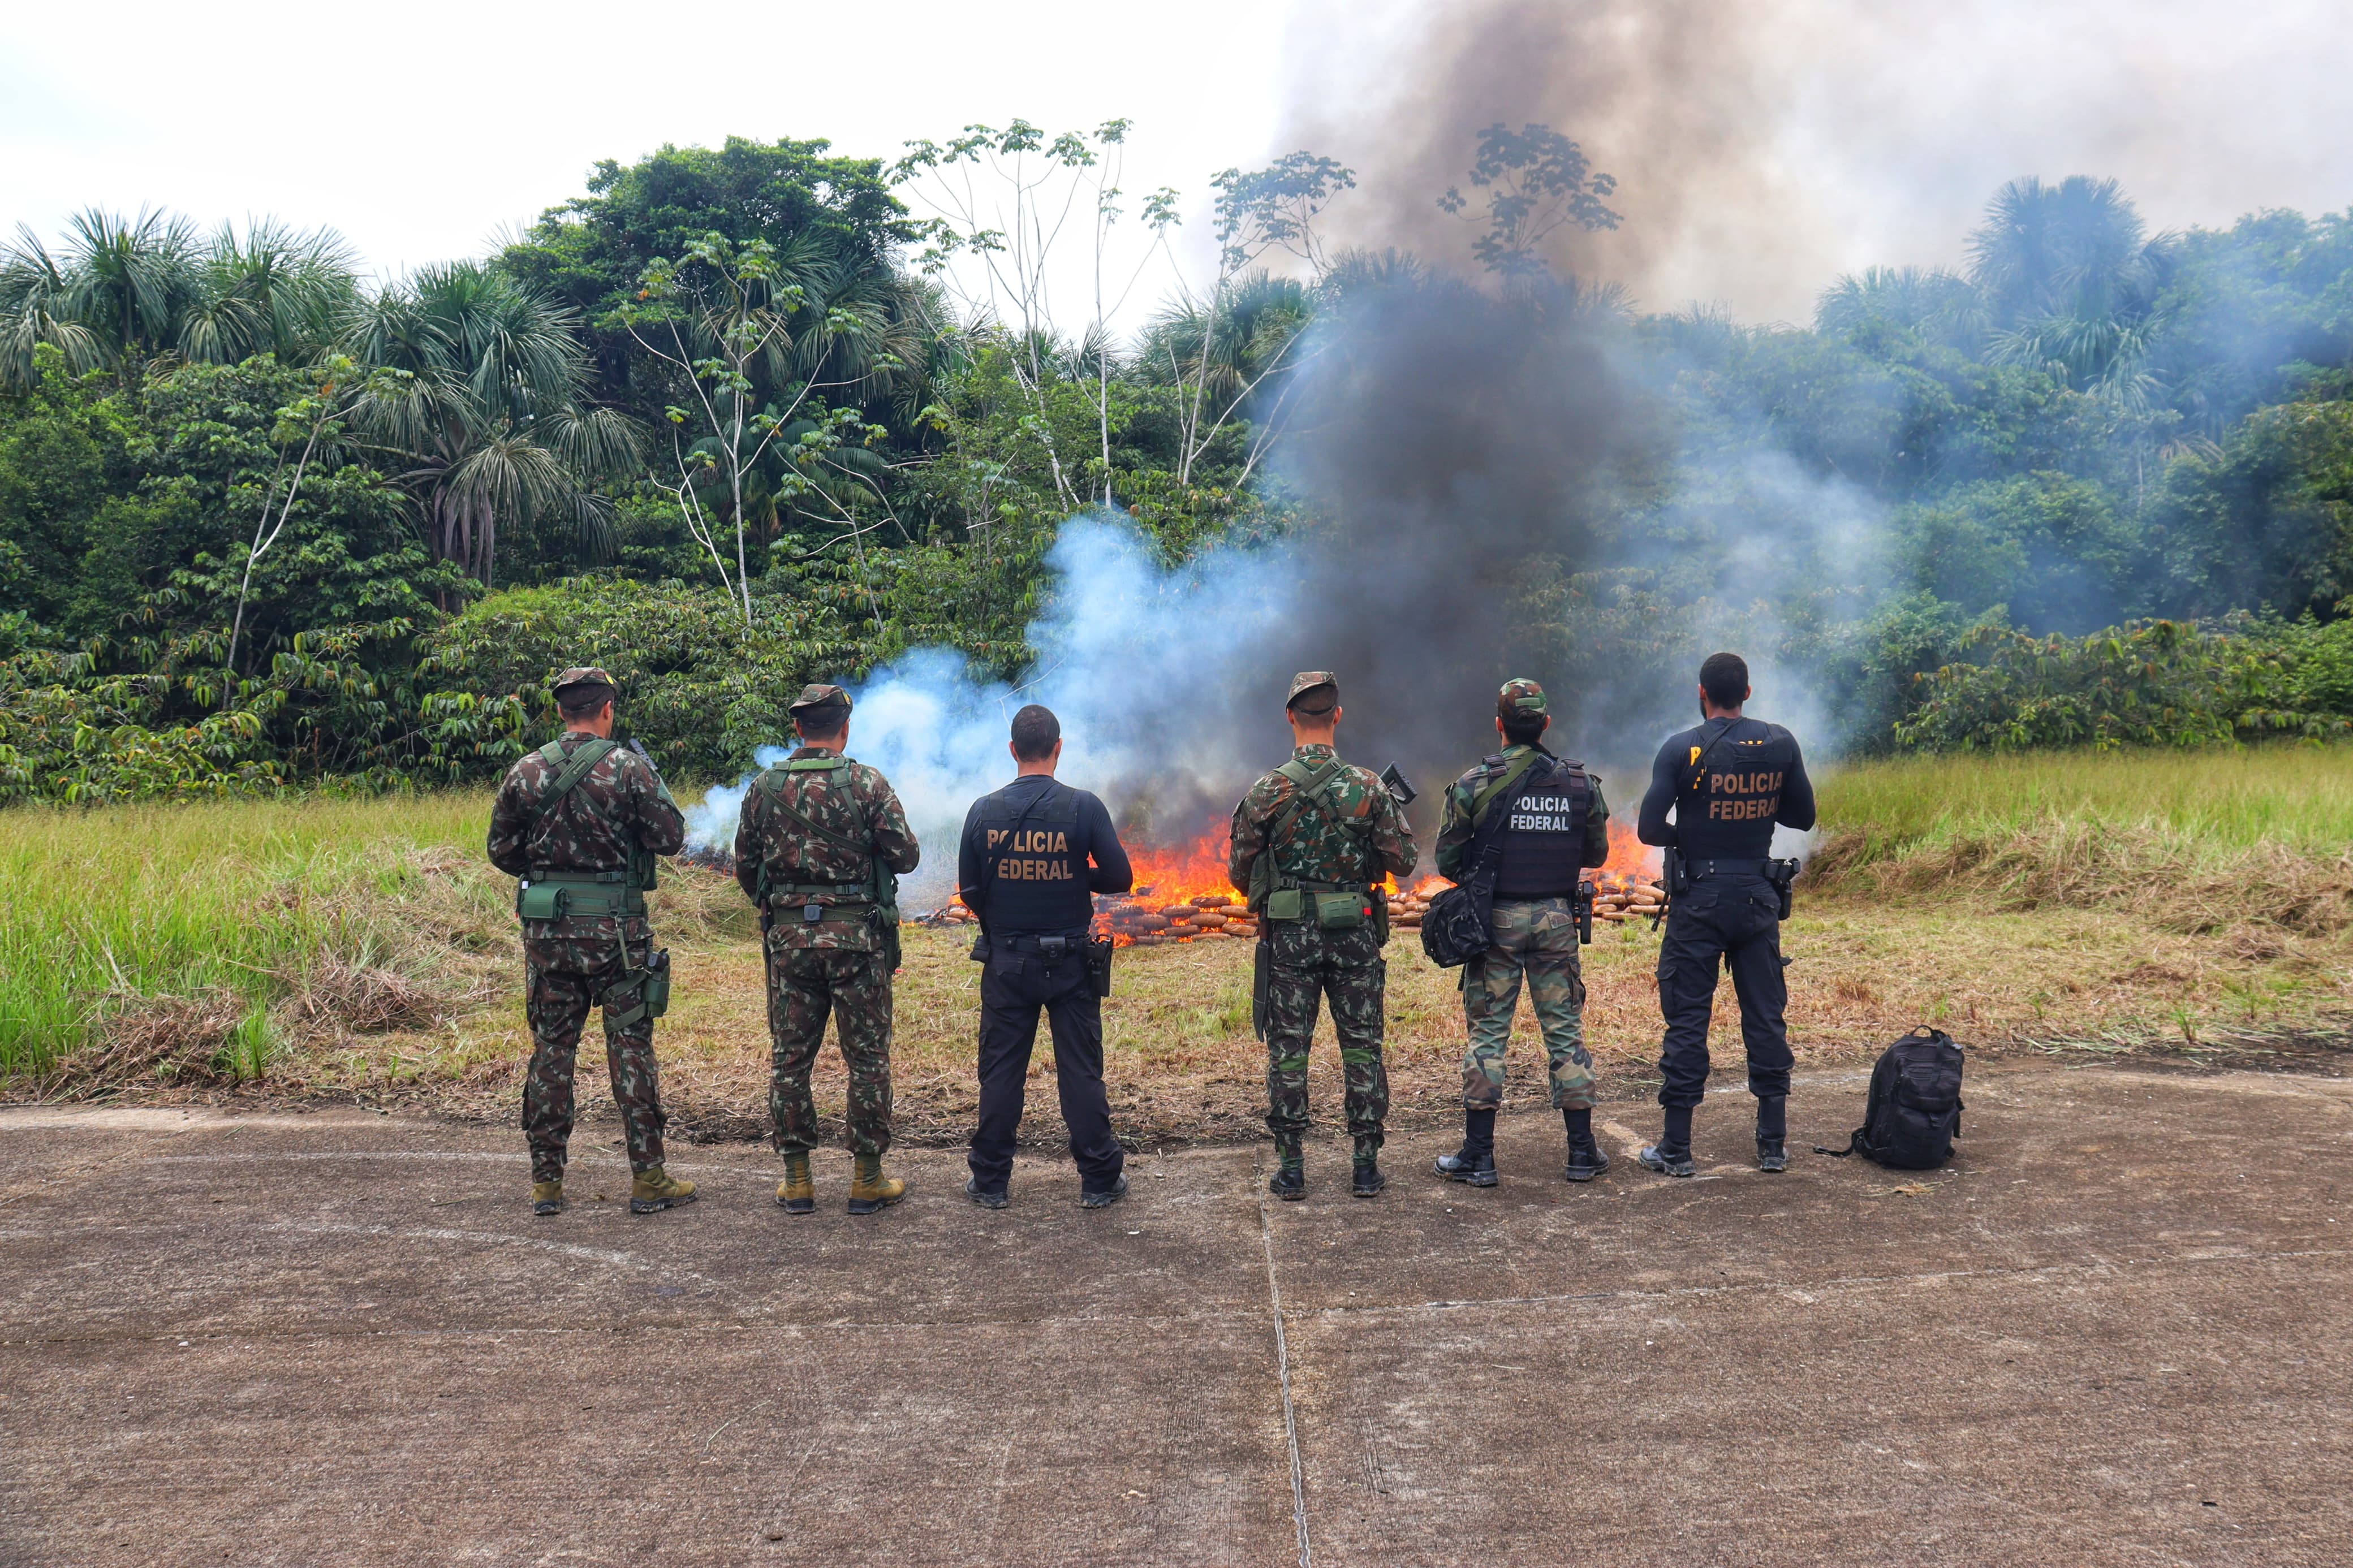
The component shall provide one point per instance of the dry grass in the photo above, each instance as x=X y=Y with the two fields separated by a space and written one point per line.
x=1182 y=1063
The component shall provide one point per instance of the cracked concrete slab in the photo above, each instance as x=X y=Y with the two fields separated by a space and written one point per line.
x=2117 y=1329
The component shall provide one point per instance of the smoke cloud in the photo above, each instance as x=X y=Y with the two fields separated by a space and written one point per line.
x=1763 y=147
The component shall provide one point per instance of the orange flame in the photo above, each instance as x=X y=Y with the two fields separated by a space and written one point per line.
x=1173 y=875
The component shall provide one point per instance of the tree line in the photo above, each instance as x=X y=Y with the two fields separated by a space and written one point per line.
x=736 y=417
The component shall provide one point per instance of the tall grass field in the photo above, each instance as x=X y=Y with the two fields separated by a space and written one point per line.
x=231 y=908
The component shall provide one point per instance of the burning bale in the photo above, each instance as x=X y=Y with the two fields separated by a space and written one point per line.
x=1144 y=918
x=1626 y=896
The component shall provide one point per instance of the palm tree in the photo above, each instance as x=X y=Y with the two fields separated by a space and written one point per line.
x=1923 y=304
x=37 y=307
x=489 y=416
x=2072 y=281
x=273 y=291
x=132 y=283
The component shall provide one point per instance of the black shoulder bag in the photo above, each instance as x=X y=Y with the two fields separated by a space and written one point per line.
x=1455 y=929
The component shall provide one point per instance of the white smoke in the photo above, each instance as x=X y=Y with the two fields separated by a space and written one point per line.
x=1141 y=662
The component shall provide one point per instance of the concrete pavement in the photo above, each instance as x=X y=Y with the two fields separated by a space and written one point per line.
x=2118 y=1330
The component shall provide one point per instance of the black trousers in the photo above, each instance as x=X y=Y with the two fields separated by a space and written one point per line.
x=1734 y=922
x=1013 y=987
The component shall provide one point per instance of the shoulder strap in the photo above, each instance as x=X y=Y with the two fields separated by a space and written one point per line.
x=584 y=763
x=1314 y=789
x=775 y=792
x=1699 y=768
x=1496 y=786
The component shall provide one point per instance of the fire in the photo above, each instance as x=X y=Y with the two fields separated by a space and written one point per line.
x=1182 y=894
x=1629 y=856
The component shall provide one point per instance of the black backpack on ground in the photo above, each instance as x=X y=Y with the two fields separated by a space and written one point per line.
x=1916 y=1105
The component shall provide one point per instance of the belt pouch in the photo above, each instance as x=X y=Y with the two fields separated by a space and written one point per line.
x=1339 y=912
x=540 y=900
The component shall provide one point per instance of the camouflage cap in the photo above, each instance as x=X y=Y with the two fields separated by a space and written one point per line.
x=583 y=675
x=1307 y=681
x=817 y=695
x=1519 y=697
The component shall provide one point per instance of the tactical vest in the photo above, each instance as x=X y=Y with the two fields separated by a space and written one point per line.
x=1542 y=841
x=1730 y=790
x=867 y=889
x=545 y=894
x=1033 y=864
x=1315 y=786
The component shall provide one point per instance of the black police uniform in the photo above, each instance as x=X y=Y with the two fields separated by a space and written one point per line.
x=1729 y=781
x=1024 y=868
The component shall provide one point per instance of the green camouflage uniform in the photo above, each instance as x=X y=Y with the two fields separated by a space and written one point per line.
x=840 y=963
x=1308 y=960
x=1533 y=937
x=578 y=961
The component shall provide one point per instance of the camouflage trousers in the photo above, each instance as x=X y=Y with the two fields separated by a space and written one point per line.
x=591 y=963
x=1309 y=964
x=1536 y=938
x=805 y=984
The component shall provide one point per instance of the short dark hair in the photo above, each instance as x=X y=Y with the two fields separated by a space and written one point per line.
x=1523 y=728
x=584 y=700
x=1724 y=678
x=1035 y=730
x=1316 y=703
x=822 y=722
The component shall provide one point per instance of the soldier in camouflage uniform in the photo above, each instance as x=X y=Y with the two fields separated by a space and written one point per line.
x=1312 y=842
x=819 y=838
x=1557 y=826
x=580 y=821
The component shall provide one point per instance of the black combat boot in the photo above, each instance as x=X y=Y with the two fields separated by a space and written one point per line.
x=1772 y=1133
x=1104 y=1197
x=1671 y=1155
x=1586 y=1160
x=1369 y=1180
x=1290 y=1180
x=1475 y=1164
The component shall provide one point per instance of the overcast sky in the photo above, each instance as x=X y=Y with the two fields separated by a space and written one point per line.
x=422 y=131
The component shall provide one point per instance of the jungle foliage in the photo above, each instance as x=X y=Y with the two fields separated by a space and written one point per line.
x=713 y=424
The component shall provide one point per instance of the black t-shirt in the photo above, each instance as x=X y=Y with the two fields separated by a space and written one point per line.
x=1729 y=781
x=1045 y=884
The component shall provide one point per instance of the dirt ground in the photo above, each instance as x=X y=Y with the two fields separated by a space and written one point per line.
x=2117 y=1329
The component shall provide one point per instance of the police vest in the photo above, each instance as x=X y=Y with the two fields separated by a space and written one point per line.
x=1730 y=790
x=1543 y=839
x=1033 y=863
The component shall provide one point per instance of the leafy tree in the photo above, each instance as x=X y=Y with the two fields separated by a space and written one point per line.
x=824 y=215
x=1538 y=182
x=488 y=423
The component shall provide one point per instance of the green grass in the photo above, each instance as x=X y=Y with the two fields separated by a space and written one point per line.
x=2294 y=797
x=108 y=907
x=2195 y=841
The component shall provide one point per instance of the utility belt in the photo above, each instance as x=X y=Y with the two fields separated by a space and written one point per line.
x=579 y=895
x=1683 y=875
x=1047 y=947
x=855 y=900
x=1094 y=950
x=1333 y=906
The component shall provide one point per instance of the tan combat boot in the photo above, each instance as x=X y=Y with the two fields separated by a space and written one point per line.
x=869 y=1189
x=657 y=1190
x=796 y=1193
x=547 y=1197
